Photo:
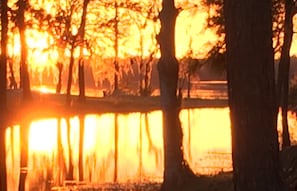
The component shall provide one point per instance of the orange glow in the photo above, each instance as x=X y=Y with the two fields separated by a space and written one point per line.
x=140 y=145
x=43 y=136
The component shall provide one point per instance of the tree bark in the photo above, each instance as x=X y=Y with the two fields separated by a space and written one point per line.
x=283 y=72
x=176 y=171
x=3 y=100
x=252 y=99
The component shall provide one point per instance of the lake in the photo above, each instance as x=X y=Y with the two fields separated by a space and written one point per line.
x=137 y=137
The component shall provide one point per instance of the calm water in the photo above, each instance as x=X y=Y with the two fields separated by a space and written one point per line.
x=207 y=146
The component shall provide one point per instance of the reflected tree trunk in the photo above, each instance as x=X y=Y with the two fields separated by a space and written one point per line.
x=177 y=172
x=24 y=74
x=24 y=144
x=189 y=135
x=116 y=149
x=70 y=161
x=152 y=147
x=3 y=100
x=283 y=71
x=140 y=165
x=61 y=159
x=252 y=99
x=81 y=146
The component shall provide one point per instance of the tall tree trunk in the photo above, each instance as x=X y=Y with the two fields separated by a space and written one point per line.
x=176 y=171
x=81 y=33
x=70 y=75
x=116 y=49
x=25 y=81
x=60 y=70
x=252 y=99
x=3 y=101
x=283 y=71
x=81 y=80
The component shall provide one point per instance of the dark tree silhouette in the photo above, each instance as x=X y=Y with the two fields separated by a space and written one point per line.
x=283 y=71
x=3 y=102
x=20 y=20
x=177 y=171
x=252 y=99
x=76 y=40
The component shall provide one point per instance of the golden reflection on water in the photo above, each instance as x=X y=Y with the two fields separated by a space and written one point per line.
x=207 y=146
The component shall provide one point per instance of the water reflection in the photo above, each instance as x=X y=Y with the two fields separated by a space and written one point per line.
x=115 y=147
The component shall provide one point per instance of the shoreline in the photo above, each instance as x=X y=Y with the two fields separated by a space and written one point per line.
x=53 y=105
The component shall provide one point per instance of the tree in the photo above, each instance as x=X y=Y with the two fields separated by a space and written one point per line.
x=252 y=99
x=284 y=68
x=176 y=172
x=24 y=74
x=77 y=39
x=3 y=102
x=81 y=33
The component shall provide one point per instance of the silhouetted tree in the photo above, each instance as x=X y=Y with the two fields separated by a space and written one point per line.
x=176 y=172
x=24 y=74
x=81 y=33
x=252 y=99
x=76 y=40
x=3 y=101
x=284 y=68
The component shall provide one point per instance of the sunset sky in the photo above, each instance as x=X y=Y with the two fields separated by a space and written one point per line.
x=191 y=33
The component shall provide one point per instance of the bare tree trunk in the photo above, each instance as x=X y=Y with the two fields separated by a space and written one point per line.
x=177 y=171
x=252 y=100
x=116 y=49
x=25 y=81
x=81 y=76
x=70 y=75
x=283 y=72
x=59 y=85
x=81 y=80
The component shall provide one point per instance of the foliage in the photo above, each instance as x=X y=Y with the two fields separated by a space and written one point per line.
x=216 y=56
